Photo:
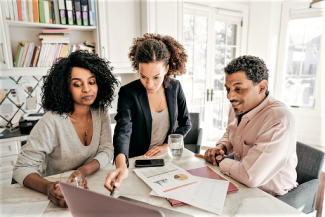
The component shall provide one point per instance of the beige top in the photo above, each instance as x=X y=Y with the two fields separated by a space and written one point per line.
x=160 y=127
x=264 y=147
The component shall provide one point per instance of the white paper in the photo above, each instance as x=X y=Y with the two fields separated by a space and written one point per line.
x=167 y=178
x=34 y=209
x=209 y=194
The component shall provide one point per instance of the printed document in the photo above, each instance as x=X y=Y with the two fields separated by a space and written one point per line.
x=209 y=194
x=167 y=178
x=35 y=209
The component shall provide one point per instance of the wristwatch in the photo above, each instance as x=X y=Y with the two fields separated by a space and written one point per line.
x=219 y=158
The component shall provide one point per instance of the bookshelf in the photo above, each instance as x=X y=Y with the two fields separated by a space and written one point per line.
x=118 y=22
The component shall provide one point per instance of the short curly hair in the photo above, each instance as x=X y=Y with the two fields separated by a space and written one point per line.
x=254 y=68
x=56 y=94
x=159 y=48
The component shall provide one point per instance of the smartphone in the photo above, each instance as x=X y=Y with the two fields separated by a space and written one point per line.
x=150 y=163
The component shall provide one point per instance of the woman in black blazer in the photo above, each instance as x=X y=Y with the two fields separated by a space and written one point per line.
x=151 y=105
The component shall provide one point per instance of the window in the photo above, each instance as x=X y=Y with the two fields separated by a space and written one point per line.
x=302 y=57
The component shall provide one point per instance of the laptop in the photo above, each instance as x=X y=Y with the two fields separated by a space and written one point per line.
x=85 y=203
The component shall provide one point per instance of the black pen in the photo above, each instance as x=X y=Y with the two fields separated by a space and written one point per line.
x=112 y=193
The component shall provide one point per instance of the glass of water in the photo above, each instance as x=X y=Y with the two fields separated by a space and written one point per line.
x=72 y=177
x=175 y=145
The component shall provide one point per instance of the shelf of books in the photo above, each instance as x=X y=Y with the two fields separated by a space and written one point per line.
x=56 y=12
x=45 y=25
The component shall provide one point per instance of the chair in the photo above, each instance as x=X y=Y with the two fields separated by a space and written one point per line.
x=193 y=139
x=310 y=163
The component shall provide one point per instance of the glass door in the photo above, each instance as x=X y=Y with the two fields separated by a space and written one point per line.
x=194 y=82
x=226 y=41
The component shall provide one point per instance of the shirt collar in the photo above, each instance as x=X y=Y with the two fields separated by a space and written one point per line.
x=269 y=99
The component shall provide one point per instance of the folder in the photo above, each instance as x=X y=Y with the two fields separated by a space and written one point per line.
x=77 y=8
x=41 y=11
x=56 y=11
x=92 y=12
x=84 y=10
x=35 y=11
x=68 y=5
x=205 y=172
x=62 y=12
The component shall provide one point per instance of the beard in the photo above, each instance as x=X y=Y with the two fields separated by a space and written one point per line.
x=239 y=112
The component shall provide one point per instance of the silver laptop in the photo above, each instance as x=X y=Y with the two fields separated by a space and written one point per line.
x=86 y=203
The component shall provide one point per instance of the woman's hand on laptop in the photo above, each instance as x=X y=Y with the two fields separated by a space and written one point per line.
x=53 y=194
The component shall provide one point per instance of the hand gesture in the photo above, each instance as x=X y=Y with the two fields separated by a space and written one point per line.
x=156 y=151
x=211 y=153
x=115 y=178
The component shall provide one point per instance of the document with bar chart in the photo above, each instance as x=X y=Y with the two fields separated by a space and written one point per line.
x=167 y=178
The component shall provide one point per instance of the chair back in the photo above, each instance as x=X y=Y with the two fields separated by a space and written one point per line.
x=310 y=162
x=192 y=135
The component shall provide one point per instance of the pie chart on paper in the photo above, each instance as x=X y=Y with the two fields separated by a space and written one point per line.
x=180 y=177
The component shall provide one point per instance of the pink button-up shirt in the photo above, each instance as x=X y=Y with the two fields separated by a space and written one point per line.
x=264 y=147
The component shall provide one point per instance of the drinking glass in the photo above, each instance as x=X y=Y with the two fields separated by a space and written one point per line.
x=175 y=145
x=72 y=177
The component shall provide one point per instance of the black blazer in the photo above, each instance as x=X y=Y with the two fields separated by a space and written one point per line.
x=132 y=135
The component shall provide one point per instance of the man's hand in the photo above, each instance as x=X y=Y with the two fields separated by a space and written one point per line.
x=53 y=194
x=210 y=154
x=156 y=151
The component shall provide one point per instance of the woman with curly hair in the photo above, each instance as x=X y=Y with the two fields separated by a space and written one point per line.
x=149 y=107
x=74 y=133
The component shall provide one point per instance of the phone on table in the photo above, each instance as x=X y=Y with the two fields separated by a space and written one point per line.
x=150 y=163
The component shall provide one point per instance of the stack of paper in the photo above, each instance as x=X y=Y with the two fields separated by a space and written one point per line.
x=172 y=181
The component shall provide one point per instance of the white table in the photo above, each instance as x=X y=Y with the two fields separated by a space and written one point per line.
x=245 y=202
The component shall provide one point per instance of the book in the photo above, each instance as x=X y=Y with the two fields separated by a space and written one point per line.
x=46 y=52
x=53 y=13
x=84 y=10
x=55 y=54
x=50 y=13
x=20 y=55
x=30 y=46
x=65 y=31
x=92 y=12
x=41 y=11
x=56 y=11
x=64 y=50
x=20 y=16
x=77 y=8
x=11 y=10
x=5 y=9
x=69 y=9
x=36 y=56
x=46 y=12
x=42 y=48
x=14 y=5
x=62 y=12
x=205 y=172
x=33 y=57
x=56 y=40
x=20 y=45
x=35 y=11
x=30 y=55
x=29 y=4
x=26 y=44
x=50 y=36
x=50 y=55
x=24 y=10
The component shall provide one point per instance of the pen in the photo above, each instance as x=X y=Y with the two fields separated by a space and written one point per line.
x=112 y=193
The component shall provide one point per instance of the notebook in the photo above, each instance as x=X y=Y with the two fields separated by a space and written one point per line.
x=205 y=172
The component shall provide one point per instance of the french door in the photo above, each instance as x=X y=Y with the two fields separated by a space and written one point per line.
x=212 y=39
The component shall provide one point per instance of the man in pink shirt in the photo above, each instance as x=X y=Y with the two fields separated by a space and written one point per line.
x=262 y=136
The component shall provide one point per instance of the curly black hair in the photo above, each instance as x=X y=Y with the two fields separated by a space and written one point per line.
x=159 y=48
x=56 y=94
x=254 y=68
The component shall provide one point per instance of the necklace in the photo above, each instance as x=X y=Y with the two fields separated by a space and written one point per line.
x=86 y=133
x=154 y=103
